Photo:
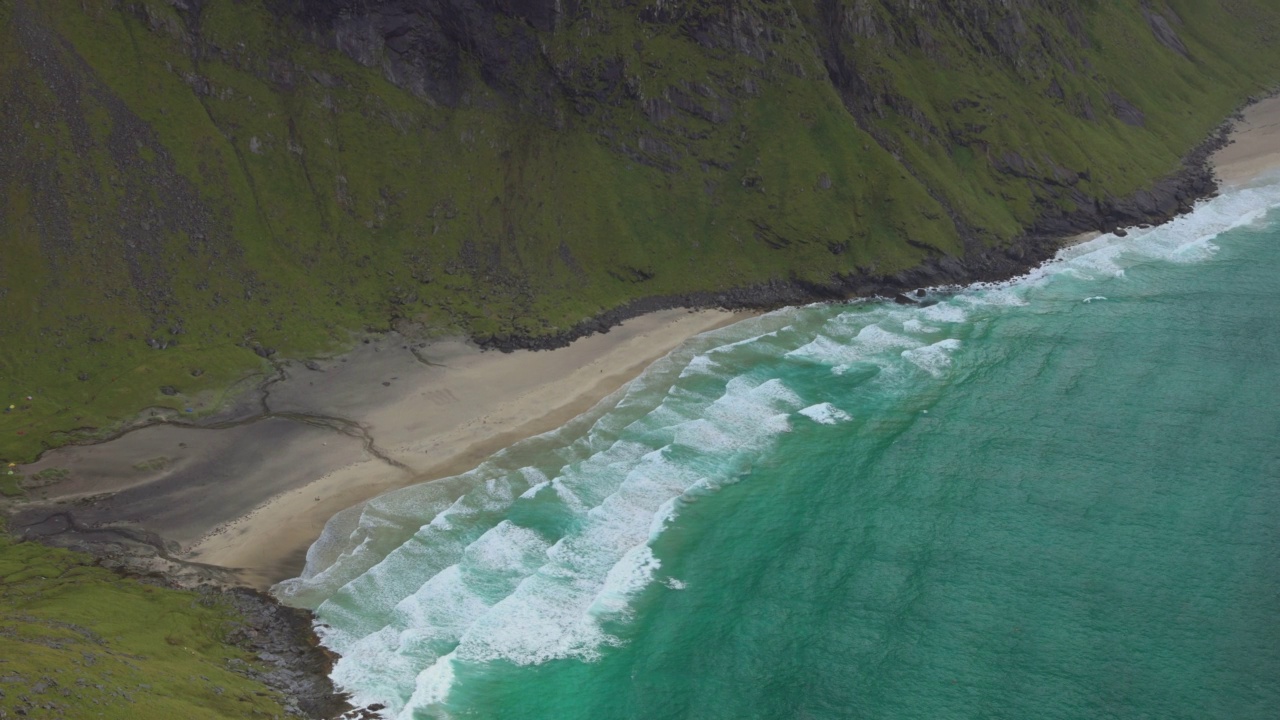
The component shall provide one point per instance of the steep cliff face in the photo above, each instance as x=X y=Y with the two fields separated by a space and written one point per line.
x=424 y=46
x=191 y=186
x=1036 y=47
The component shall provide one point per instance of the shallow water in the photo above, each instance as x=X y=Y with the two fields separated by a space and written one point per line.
x=1053 y=498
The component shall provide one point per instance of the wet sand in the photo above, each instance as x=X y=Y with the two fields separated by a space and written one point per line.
x=255 y=493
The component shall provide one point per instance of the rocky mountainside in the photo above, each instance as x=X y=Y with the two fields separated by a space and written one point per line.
x=193 y=188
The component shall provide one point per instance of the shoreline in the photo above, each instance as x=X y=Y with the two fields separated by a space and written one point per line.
x=180 y=504
x=239 y=501
x=1253 y=147
x=250 y=495
x=509 y=397
x=1244 y=148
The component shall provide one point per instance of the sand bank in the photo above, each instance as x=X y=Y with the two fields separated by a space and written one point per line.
x=1255 y=145
x=254 y=495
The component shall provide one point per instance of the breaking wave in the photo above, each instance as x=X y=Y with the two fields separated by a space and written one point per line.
x=541 y=552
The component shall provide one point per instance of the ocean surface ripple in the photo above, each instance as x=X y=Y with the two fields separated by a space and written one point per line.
x=1053 y=497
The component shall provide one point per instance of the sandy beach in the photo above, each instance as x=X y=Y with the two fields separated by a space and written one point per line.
x=1255 y=145
x=254 y=493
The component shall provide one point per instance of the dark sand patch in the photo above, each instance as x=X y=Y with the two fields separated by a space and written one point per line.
x=250 y=492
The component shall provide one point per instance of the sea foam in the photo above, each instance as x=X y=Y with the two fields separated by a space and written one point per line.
x=543 y=551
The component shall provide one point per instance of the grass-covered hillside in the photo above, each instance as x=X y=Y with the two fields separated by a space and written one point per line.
x=78 y=641
x=188 y=187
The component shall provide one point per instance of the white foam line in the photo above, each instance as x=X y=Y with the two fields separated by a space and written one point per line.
x=673 y=435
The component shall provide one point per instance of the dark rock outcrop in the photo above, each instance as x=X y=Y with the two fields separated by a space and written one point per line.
x=421 y=45
x=1125 y=111
x=1163 y=29
x=283 y=638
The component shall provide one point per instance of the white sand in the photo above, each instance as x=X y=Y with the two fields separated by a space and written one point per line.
x=1255 y=146
x=436 y=421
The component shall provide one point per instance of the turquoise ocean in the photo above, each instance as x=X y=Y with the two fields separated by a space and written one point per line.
x=1056 y=497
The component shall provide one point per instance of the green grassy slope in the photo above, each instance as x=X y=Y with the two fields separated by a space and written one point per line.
x=979 y=100
x=78 y=641
x=181 y=194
